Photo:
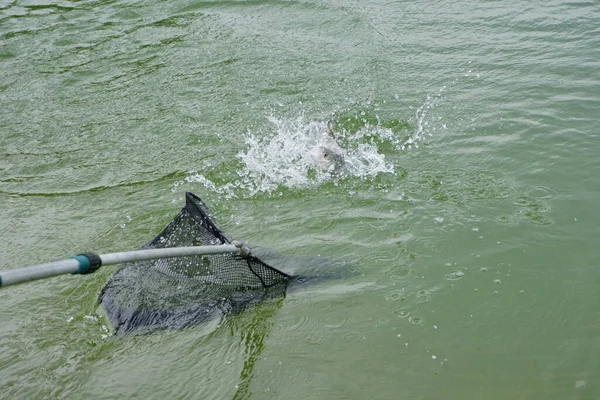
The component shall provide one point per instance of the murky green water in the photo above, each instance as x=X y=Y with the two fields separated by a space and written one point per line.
x=471 y=214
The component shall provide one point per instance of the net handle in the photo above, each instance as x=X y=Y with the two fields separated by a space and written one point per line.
x=87 y=263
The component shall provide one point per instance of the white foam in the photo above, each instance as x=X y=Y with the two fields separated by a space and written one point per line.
x=283 y=157
x=279 y=155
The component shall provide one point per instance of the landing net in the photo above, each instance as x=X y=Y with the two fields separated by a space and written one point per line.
x=178 y=292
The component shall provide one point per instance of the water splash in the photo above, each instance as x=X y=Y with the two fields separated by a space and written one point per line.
x=283 y=158
x=278 y=156
x=423 y=125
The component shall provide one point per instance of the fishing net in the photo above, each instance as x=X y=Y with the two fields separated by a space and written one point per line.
x=178 y=292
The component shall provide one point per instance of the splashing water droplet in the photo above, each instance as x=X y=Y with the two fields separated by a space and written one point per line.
x=285 y=157
x=272 y=159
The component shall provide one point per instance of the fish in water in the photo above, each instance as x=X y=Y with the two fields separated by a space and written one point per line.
x=327 y=154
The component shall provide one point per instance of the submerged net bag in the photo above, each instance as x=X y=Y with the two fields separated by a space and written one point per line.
x=179 y=292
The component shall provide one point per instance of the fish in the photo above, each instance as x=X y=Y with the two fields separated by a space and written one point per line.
x=327 y=155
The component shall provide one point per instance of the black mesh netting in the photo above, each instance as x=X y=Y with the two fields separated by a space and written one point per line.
x=178 y=292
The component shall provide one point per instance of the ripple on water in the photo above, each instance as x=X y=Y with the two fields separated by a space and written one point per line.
x=323 y=305
x=292 y=302
x=534 y=203
x=463 y=186
x=531 y=203
x=389 y=256
x=313 y=338
x=543 y=192
x=537 y=218
x=398 y=273
x=509 y=220
x=353 y=336
x=302 y=323
x=335 y=321
x=422 y=297
x=396 y=296
x=402 y=313
x=429 y=243
x=455 y=275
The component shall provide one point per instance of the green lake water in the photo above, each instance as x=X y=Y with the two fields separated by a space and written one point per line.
x=469 y=214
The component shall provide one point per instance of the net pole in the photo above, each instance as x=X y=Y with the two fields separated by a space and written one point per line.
x=167 y=252
x=89 y=262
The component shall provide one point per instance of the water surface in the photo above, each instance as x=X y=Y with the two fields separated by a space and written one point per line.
x=470 y=210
